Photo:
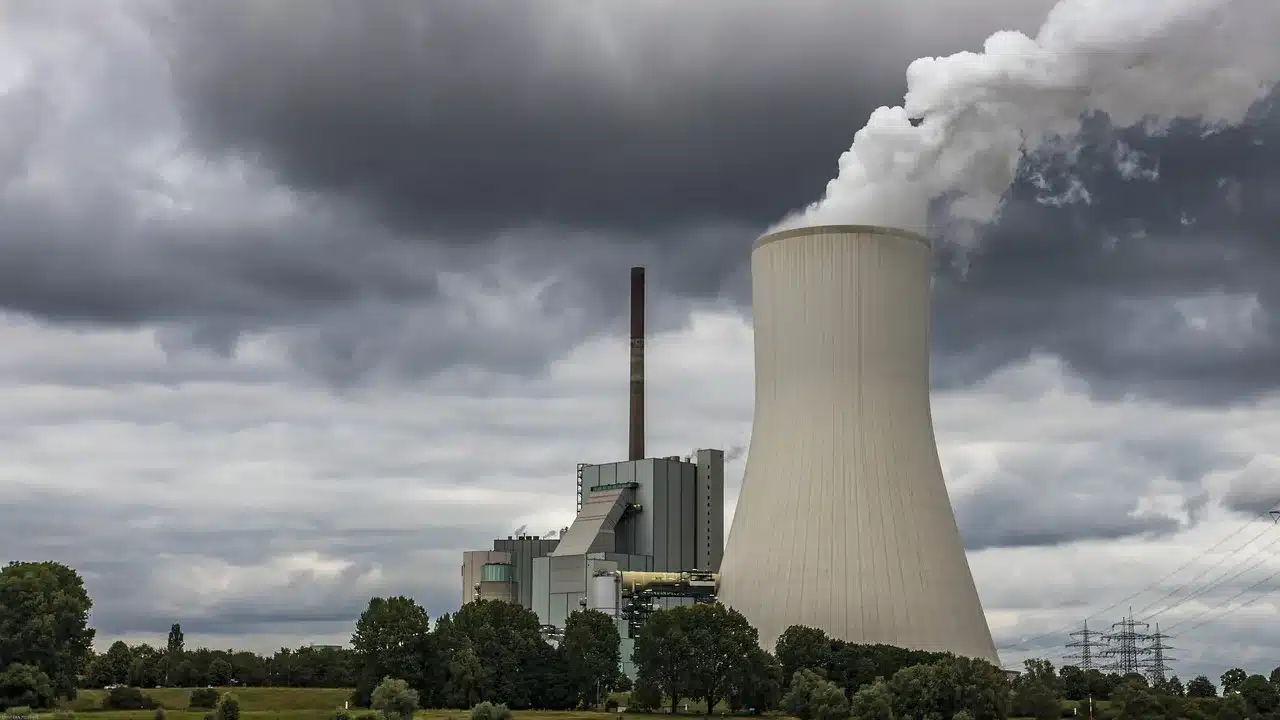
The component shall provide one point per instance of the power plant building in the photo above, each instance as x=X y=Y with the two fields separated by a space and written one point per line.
x=649 y=534
x=843 y=522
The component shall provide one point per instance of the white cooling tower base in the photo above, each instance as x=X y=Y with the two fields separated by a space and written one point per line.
x=843 y=522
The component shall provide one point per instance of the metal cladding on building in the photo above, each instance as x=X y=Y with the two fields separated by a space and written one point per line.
x=843 y=522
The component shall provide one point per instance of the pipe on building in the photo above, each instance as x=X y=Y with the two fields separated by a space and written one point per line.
x=637 y=365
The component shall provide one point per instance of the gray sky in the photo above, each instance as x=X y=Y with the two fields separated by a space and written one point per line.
x=298 y=302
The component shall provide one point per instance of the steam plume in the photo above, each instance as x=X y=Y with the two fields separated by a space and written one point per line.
x=967 y=119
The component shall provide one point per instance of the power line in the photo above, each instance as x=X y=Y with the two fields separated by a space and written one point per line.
x=1031 y=641
x=1226 y=603
x=1201 y=574
x=1127 y=646
x=1217 y=583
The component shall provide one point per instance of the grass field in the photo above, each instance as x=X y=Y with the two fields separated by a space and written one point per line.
x=267 y=703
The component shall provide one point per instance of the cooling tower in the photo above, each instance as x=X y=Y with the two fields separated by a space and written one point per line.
x=843 y=522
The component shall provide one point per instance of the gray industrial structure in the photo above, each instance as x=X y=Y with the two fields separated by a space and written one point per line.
x=843 y=521
x=649 y=533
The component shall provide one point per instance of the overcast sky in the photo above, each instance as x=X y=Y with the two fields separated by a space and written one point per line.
x=300 y=299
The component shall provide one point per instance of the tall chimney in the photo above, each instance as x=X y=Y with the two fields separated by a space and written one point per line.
x=637 y=364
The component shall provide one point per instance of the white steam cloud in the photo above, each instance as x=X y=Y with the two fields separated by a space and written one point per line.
x=967 y=119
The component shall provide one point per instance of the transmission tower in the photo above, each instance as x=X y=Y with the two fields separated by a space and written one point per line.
x=1085 y=647
x=1157 y=657
x=1127 y=646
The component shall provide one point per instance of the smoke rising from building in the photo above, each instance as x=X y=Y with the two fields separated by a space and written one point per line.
x=967 y=119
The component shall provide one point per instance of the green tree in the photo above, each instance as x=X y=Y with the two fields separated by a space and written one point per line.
x=395 y=699
x=1233 y=707
x=662 y=655
x=25 y=685
x=44 y=621
x=1232 y=680
x=1201 y=687
x=721 y=638
x=1075 y=683
x=592 y=648
x=465 y=680
x=872 y=702
x=755 y=683
x=388 y=641
x=1033 y=699
x=111 y=667
x=800 y=647
x=1275 y=676
x=220 y=672
x=813 y=697
x=228 y=708
x=946 y=687
x=1260 y=695
x=507 y=639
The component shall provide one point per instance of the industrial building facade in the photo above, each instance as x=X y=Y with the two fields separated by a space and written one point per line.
x=648 y=534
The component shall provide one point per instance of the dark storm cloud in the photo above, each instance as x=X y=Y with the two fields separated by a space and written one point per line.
x=538 y=149
x=483 y=115
x=1160 y=287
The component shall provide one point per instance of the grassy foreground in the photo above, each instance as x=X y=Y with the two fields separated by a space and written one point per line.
x=273 y=703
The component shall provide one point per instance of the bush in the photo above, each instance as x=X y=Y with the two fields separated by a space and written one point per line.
x=210 y=716
x=203 y=699
x=20 y=712
x=646 y=696
x=488 y=711
x=394 y=698
x=128 y=698
x=368 y=716
x=623 y=684
x=228 y=708
x=340 y=714
x=610 y=705
x=160 y=714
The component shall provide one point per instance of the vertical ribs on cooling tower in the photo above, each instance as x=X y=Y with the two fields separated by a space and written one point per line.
x=843 y=522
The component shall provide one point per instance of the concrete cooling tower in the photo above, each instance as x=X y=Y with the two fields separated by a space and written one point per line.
x=843 y=522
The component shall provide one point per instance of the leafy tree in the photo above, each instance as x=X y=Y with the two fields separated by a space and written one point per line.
x=1137 y=702
x=943 y=688
x=646 y=696
x=25 y=685
x=219 y=672
x=813 y=697
x=507 y=639
x=800 y=647
x=1260 y=695
x=755 y=683
x=591 y=643
x=1275 y=676
x=1075 y=683
x=44 y=621
x=466 y=678
x=1201 y=687
x=1033 y=699
x=721 y=637
x=1171 y=687
x=1232 y=680
x=387 y=641
x=873 y=702
x=395 y=699
x=1233 y=707
x=228 y=708
x=177 y=643
x=662 y=654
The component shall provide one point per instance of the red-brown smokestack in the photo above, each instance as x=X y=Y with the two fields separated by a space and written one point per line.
x=637 y=364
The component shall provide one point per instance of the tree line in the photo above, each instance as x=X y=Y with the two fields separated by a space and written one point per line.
x=495 y=652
